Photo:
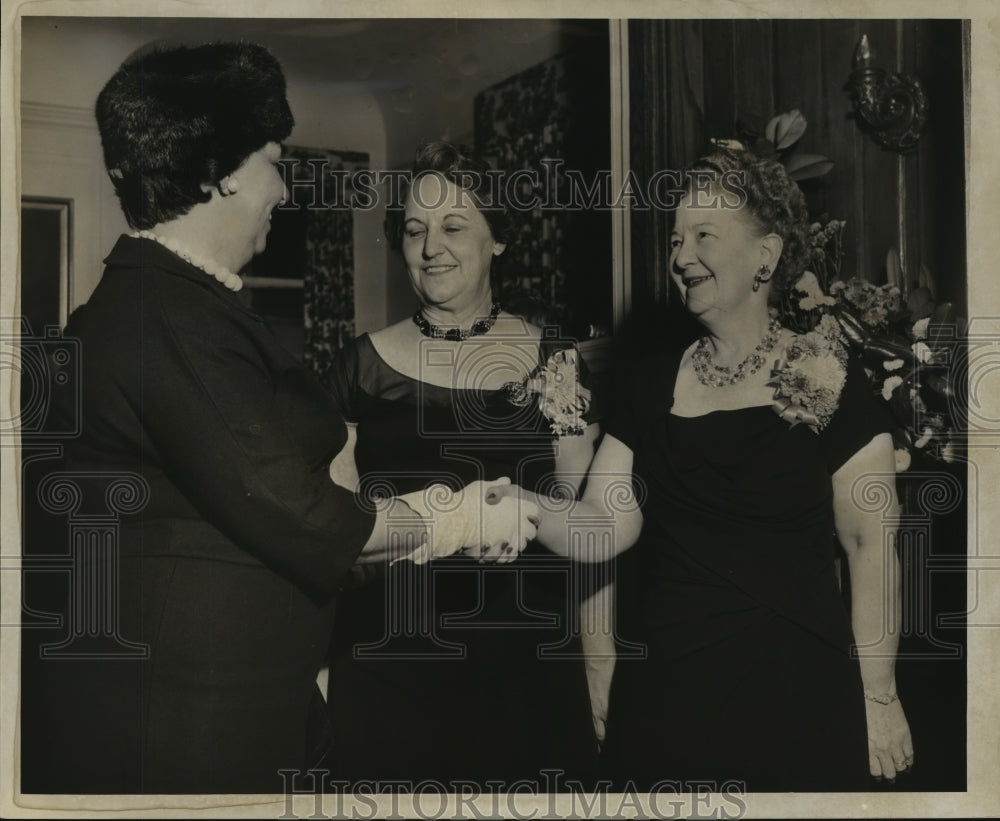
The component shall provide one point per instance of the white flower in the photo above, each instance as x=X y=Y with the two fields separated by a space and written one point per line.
x=920 y=328
x=827 y=371
x=922 y=353
x=892 y=364
x=903 y=459
x=829 y=328
x=949 y=452
x=889 y=386
x=923 y=440
x=807 y=303
x=808 y=284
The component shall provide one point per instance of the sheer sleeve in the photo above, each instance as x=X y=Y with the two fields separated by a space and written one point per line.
x=859 y=418
x=342 y=381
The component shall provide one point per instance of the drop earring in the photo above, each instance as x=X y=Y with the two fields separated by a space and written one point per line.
x=763 y=275
x=229 y=185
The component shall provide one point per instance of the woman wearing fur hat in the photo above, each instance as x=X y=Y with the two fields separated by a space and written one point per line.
x=229 y=572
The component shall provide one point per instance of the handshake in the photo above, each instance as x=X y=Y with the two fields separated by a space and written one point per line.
x=484 y=519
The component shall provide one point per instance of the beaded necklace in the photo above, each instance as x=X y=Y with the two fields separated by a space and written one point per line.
x=719 y=376
x=479 y=327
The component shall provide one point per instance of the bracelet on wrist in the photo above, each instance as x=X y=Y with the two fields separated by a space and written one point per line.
x=884 y=700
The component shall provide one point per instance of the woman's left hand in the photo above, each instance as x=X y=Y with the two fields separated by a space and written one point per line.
x=890 y=749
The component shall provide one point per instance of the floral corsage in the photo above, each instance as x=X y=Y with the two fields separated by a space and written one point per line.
x=561 y=398
x=809 y=382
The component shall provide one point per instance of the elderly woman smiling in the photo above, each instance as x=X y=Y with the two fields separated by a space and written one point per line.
x=751 y=447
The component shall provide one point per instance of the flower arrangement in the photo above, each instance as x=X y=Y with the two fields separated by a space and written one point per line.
x=906 y=347
x=873 y=305
x=826 y=245
x=561 y=398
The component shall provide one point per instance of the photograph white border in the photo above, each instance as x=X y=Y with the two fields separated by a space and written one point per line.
x=982 y=798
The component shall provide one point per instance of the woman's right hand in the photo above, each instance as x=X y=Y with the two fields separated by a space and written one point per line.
x=496 y=531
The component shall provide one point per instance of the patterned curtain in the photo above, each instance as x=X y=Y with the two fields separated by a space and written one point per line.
x=554 y=112
x=519 y=123
x=328 y=272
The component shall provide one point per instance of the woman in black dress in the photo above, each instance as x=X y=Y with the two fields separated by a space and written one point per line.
x=459 y=670
x=749 y=676
x=235 y=541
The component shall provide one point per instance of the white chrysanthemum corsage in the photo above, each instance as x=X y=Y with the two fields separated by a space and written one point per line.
x=809 y=382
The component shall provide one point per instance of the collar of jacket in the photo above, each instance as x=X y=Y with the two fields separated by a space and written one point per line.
x=146 y=254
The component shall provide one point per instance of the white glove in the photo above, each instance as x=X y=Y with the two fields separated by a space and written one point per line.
x=457 y=521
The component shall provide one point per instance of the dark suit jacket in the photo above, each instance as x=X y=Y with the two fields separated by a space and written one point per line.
x=228 y=572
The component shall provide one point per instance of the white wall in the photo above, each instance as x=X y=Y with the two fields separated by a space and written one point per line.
x=61 y=76
x=64 y=65
x=350 y=121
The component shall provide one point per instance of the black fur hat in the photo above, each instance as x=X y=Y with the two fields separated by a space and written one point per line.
x=174 y=120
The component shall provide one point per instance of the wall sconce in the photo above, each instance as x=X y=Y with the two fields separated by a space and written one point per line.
x=892 y=106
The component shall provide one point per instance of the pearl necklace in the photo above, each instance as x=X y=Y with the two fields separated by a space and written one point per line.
x=719 y=376
x=479 y=327
x=219 y=272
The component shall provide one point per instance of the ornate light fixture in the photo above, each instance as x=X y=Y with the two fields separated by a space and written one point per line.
x=892 y=106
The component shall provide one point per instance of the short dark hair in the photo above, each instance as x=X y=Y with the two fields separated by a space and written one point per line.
x=773 y=201
x=173 y=120
x=460 y=166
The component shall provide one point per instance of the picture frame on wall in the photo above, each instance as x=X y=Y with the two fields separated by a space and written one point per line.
x=46 y=223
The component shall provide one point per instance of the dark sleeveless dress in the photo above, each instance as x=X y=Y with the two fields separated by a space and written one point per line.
x=455 y=670
x=732 y=589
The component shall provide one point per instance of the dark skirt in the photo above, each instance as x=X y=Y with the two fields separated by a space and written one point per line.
x=225 y=699
x=497 y=694
x=773 y=708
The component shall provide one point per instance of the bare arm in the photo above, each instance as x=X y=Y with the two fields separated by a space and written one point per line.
x=597 y=637
x=608 y=499
x=875 y=610
x=610 y=469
